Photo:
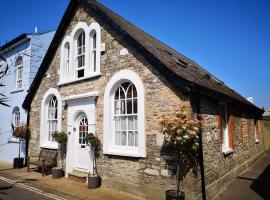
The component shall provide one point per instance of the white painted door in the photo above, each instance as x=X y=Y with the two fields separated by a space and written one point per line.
x=81 y=149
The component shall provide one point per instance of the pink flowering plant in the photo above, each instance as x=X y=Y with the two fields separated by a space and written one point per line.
x=181 y=139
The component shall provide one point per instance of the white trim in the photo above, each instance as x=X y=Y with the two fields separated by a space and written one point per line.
x=92 y=75
x=72 y=40
x=227 y=151
x=81 y=96
x=43 y=135
x=225 y=141
x=108 y=140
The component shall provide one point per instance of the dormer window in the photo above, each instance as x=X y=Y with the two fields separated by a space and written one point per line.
x=81 y=55
x=19 y=72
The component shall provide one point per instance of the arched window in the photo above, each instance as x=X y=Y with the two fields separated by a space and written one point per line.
x=16 y=117
x=125 y=115
x=80 y=56
x=83 y=130
x=52 y=117
x=93 y=36
x=19 y=72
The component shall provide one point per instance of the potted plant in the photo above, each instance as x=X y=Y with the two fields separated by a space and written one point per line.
x=61 y=139
x=181 y=136
x=22 y=133
x=94 y=180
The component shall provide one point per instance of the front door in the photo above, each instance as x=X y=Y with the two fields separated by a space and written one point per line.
x=81 y=149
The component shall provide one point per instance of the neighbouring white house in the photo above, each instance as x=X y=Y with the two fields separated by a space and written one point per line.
x=23 y=56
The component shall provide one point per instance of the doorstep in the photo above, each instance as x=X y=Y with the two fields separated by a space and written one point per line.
x=77 y=190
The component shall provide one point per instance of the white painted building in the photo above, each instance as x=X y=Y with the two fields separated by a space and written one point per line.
x=23 y=56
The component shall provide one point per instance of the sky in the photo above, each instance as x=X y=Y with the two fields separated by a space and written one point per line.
x=229 y=38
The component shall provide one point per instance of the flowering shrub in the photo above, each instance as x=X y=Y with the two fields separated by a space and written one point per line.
x=21 y=132
x=181 y=142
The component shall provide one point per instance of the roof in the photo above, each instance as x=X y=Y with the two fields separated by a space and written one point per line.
x=14 y=41
x=266 y=113
x=178 y=69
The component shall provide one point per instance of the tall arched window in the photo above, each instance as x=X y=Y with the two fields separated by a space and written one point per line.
x=52 y=117
x=93 y=36
x=125 y=115
x=81 y=55
x=19 y=72
x=16 y=117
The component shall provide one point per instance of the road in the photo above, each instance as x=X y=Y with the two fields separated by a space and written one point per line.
x=19 y=191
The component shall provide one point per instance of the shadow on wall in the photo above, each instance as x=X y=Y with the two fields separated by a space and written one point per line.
x=262 y=183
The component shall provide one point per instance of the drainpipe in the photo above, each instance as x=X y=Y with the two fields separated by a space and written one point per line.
x=201 y=161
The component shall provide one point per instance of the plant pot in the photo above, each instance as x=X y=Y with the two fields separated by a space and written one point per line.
x=94 y=181
x=172 y=195
x=57 y=173
x=18 y=163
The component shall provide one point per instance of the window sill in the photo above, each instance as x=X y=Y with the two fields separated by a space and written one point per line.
x=49 y=146
x=123 y=152
x=14 y=140
x=227 y=151
x=16 y=91
x=93 y=75
x=257 y=141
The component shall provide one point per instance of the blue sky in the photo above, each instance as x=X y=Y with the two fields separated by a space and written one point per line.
x=230 y=38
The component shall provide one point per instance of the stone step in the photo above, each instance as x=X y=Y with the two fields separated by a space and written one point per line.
x=78 y=176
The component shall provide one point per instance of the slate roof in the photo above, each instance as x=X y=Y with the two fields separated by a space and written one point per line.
x=178 y=69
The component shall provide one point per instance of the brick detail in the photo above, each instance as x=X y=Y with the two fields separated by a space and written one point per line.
x=231 y=131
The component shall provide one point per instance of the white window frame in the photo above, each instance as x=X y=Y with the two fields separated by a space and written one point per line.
x=72 y=40
x=19 y=73
x=82 y=54
x=225 y=133
x=109 y=146
x=44 y=142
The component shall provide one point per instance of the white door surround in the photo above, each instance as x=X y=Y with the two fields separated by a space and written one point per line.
x=79 y=112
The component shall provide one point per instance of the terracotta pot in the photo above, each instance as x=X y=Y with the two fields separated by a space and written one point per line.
x=172 y=195
x=94 y=181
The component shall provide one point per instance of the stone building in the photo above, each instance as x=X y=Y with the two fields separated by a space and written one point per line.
x=104 y=75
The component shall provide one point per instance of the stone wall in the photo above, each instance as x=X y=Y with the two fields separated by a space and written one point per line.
x=217 y=164
x=160 y=98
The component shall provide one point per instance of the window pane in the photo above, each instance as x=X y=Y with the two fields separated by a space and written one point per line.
x=130 y=138
x=117 y=107
x=116 y=95
x=135 y=107
x=117 y=123
x=117 y=138
x=136 y=138
x=123 y=138
x=123 y=107
x=80 y=73
x=129 y=92
x=123 y=123
x=129 y=106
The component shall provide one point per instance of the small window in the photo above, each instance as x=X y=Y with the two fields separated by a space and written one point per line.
x=256 y=131
x=52 y=118
x=81 y=55
x=126 y=115
x=19 y=72
x=224 y=126
x=66 y=59
x=16 y=117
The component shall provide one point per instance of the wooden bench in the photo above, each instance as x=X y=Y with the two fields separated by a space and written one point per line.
x=46 y=160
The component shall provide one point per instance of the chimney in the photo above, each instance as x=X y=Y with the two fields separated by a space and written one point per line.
x=36 y=30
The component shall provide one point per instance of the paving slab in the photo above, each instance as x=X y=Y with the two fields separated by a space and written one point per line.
x=69 y=188
x=252 y=184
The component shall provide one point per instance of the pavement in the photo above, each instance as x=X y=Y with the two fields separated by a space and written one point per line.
x=252 y=184
x=16 y=183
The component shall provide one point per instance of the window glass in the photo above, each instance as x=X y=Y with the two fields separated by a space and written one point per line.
x=52 y=118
